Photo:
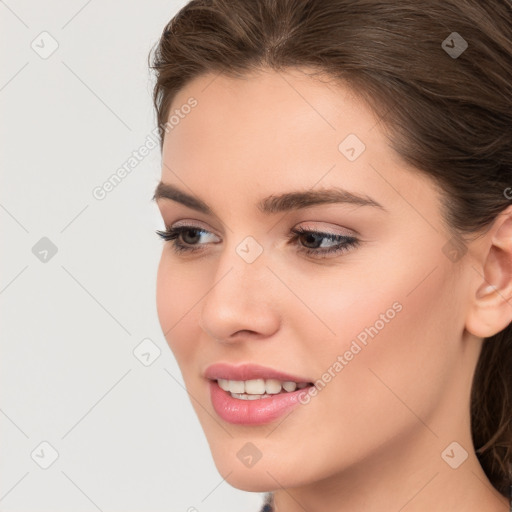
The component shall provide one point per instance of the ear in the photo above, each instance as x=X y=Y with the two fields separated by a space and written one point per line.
x=491 y=306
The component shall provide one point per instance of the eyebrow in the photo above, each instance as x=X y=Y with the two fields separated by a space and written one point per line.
x=273 y=203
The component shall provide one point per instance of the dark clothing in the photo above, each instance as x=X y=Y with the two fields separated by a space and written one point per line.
x=268 y=504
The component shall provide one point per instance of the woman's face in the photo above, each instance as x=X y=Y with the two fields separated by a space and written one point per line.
x=380 y=323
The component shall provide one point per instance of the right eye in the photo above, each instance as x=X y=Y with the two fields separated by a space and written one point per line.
x=189 y=234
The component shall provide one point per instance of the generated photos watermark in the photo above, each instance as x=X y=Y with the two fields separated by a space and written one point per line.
x=361 y=341
x=100 y=192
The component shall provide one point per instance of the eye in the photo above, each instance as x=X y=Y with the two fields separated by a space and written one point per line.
x=188 y=233
x=185 y=239
x=316 y=247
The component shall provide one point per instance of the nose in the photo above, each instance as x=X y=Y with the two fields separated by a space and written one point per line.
x=240 y=303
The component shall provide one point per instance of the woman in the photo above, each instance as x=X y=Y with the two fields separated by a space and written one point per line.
x=337 y=273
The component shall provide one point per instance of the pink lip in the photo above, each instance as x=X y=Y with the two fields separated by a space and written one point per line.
x=253 y=412
x=248 y=372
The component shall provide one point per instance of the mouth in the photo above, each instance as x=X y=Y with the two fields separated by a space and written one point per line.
x=253 y=374
x=250 y=404
x=251 y=394
x=255 y=389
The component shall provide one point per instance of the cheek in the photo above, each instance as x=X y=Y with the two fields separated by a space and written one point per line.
x=403 y=363
x=396 y=340
x=176 y=295
x=164 y=297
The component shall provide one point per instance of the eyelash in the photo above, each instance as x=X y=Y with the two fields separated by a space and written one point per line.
x=345 y=242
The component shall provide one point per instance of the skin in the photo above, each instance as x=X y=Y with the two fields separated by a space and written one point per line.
x=372 y=438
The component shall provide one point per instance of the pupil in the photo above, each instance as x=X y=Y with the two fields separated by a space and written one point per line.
x=188 y=231
x=315 y=238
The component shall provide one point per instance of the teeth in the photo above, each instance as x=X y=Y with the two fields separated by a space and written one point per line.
x=253 y=387
x=258 y=387
x=223 y=384
x=272 y=386
x=236 y=386
x=243 y=396
x=289 y=386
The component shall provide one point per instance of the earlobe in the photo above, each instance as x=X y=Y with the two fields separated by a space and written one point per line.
x=491 y=310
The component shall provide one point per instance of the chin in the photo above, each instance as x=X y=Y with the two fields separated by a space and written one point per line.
x=253 y=480
x=262 y=476
x=251 y=484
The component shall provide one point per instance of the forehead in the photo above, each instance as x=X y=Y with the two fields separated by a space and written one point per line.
x=273 y=131
x=264 y=103
x=267 y=121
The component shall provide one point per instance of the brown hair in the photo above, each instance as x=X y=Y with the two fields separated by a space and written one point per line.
x=448 y=115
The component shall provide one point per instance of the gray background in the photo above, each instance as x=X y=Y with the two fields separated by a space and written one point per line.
x=124 y=429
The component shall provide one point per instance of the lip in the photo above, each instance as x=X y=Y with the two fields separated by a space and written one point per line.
x=249 y=372
x=253 y=412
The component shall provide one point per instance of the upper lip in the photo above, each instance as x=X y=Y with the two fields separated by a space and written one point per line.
x=248 y=372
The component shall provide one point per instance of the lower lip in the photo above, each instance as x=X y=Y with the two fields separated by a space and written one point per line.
x=253 y=412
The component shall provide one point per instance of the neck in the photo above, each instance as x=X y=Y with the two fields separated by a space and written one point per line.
x=414 y=484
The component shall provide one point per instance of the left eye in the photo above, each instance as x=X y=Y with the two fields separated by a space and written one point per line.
x=342 y=242
x=190 y=235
